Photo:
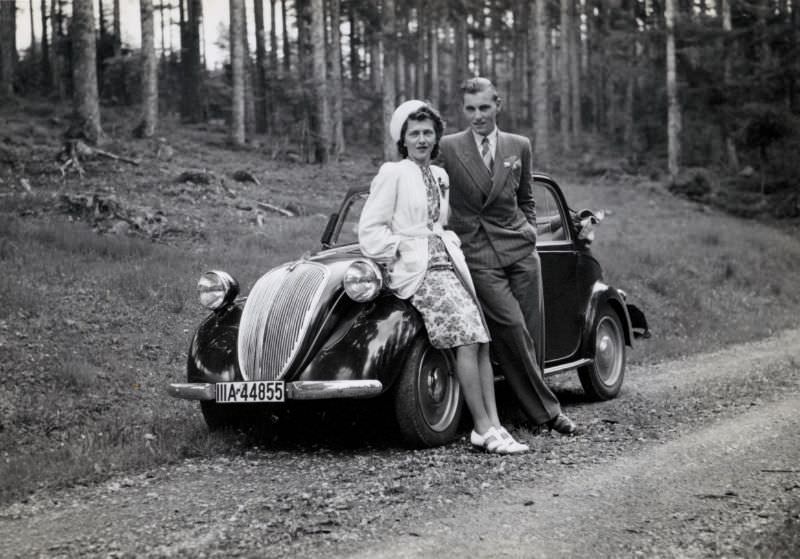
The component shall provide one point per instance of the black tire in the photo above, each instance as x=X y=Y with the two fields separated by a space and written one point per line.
x=427 y=397
x=602 y=379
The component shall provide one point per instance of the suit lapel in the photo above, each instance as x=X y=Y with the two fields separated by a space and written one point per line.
x=471 y=159
x=500 y=170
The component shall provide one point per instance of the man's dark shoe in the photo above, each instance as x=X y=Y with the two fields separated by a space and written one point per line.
x=562 y=424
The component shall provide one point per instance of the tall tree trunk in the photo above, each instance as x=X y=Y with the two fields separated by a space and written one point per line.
x=260 y=85
x=33 y=30
x=674 y=109
x=526 y=73
x=423 y=23
x=763 y=8
x=147 y=125
x=460 y=66
x=375 y=61
x=337 y=92
x=183 y=28
x=541 y=110
x=388 y=41
x=249 y=97
x=433 y=56
x=575 y=68
x=530 y=55
x=564 y=105
x=45 y=70
x=8 y=48
x=58 y=63
x=515 y=104
x=237 y=131
x=629 y=119
x=320 y=122
x=400 y=75
x=287 y=47
x=117 y=29
x=274 y=70
x=84 y=73
x=192 y=106
x=101 y=19
x=355 y=45
x=592 y=74
x=727 y=77
x=794 y=84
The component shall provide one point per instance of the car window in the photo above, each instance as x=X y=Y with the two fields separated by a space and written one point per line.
x=549 y=215
x=348 y=233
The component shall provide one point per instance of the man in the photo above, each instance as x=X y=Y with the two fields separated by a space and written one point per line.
x=494 y=213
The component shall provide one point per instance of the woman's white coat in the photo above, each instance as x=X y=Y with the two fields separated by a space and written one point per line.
x=393 y=228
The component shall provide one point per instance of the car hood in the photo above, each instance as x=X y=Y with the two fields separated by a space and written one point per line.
x=285 y=307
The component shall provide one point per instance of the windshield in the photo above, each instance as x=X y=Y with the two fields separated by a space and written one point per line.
x=348 y=221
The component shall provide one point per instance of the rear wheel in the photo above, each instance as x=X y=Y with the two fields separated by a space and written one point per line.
x=427 y=397
x=602 y=379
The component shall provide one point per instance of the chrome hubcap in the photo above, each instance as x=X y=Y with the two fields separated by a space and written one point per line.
x=438 y=390
x=608 y=350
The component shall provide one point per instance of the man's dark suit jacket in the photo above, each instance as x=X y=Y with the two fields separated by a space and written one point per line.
x=495 y=217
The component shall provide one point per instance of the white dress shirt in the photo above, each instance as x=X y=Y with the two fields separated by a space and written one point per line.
x=492 y=141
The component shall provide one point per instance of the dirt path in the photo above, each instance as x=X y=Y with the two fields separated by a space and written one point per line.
x=713 y=470
x=712 y=490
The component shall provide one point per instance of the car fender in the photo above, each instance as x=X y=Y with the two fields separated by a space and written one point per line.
x=212 y=351
x=371 y=344
x=603 y=293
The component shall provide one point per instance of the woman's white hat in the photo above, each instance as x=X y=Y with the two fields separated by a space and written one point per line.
x=400 y=116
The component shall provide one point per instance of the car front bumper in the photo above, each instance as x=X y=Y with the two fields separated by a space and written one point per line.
x=297 y=390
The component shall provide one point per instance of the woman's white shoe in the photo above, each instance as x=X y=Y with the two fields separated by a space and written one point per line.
x=497 y=441
x=512 y=445
x=491 y=441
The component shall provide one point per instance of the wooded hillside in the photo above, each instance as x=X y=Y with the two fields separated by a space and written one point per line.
x=661 y=86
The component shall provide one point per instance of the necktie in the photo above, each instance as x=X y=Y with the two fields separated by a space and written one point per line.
x=486 y=154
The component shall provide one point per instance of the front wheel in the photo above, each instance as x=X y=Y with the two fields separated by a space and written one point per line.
x=427 y=397
x=602 y=379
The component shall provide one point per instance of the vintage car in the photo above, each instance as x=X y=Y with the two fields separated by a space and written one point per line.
x=325 y=327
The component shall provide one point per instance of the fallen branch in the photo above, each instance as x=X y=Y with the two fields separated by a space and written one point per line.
x=115 y=156
x=75 y=149
x=276 y=209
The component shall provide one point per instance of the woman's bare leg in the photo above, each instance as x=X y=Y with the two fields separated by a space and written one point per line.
x=486 y=375
x=468 y=372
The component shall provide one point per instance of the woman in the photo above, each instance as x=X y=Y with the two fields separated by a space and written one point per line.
x=402 y=226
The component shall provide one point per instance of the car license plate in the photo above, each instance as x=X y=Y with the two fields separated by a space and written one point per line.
x=253 y=391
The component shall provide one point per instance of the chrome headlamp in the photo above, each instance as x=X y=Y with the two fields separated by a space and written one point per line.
x=362 y=281
x=216 y=289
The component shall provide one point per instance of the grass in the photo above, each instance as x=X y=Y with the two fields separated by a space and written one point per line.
x=93 y=326
x=704 y=278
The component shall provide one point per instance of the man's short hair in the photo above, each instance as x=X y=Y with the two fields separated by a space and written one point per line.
x=478 y=84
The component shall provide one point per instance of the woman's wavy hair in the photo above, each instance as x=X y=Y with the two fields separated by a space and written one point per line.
x=423 y=113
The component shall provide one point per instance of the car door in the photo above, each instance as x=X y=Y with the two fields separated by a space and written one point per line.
x=559 y=259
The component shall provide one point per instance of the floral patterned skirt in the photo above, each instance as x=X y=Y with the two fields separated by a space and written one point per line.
x=450 y=314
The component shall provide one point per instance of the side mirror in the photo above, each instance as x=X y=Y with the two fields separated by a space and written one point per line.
x=585 y=220
x=327 y=233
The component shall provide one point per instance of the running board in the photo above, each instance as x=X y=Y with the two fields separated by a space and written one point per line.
x=566 y=367
x=549 y=371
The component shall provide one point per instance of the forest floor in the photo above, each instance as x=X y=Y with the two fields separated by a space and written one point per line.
x=97 y=307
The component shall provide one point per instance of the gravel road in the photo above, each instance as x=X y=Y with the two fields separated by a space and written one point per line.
x=698 y=457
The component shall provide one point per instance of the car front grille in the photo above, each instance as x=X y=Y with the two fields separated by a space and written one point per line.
x=276 y=317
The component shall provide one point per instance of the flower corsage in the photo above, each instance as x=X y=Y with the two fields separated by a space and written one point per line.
x=443 y=187
x=512 y=162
